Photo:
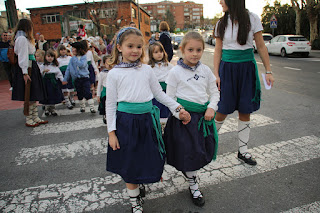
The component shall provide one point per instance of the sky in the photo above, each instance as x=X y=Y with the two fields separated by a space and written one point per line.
x=210 y=7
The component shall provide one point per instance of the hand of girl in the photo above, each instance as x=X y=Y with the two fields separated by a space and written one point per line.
x=46 y=70
x=113 y=141
x=64 y=82
x=98 y=99
x=26 y=78
x=269 y=79
x=218 y=82
x=209 y=115
x=184 y=116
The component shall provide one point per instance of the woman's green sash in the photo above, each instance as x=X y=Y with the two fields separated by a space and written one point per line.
x=141 y=108
x=89 y=62
x=52 y=78
x=239 y=56
x=103 y=92
x=199 y=108
x=32 y=57
x=163 y=85
x=63 y=69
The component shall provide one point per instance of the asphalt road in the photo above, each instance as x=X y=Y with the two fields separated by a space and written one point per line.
x=60 y=167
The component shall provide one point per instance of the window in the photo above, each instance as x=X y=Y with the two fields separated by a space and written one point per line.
x=186 y=14
x=196 y=9
x=133 y=13
x=50 y=18
x=147 y=33
x=78 y=13
x=196 y=14
x=146 y=20
x=186 y=10
x=160 y=6
x=107 y=13
x=161 y=11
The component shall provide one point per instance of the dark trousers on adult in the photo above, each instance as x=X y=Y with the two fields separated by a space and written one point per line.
x=83 y=88
x=8 y=68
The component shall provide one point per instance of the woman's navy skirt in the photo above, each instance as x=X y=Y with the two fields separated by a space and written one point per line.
x=138 y=160
x=92 y=74
x=237 y=88
x=54 y=93
x=37 y=91
x=186 y=147
x=102 y=106
x=164 y=111
x=69 y=87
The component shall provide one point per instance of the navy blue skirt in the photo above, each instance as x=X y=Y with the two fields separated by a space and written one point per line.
x=37 y=91
x=164 y=111
x=92 y=75
x=69 y=86
x=237 y=88
x=54 y=93
x=138 y=160
x=187 y=149
x=102 y=106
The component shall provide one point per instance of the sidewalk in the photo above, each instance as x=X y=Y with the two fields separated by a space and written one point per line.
x=315 y=53
x=5 y=97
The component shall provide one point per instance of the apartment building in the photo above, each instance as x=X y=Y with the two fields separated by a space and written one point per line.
x=187 y=14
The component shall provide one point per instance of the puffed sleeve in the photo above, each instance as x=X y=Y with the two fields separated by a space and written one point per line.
x=212 y=90
x=21 y=47
x=111 y=101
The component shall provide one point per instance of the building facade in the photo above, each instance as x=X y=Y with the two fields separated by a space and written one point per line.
x=57 y=21
x=187 y=14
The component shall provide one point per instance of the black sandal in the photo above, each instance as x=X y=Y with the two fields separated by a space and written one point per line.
x=250 y=160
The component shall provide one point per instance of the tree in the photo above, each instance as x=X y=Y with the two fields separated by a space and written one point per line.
x=169 y=18
x=298 y=8
x=313 y=9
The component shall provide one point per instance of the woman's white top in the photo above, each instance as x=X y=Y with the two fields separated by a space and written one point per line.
x=162 y=71
x=52 y=69
x=63 y=61
x=197 y=86
x=102 y=82
x=134 y=85
x=90 y=58
x=231 y=33
x=23 y=47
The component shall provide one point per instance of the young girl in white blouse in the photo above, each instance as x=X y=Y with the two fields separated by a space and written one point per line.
x=236 y=69
x=52 y=78
x=158 y=60
x=101 y=89
x=191 y=147
x=135 y=150
x=68 y=89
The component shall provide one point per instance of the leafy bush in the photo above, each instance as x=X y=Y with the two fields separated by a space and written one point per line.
x=316 y=44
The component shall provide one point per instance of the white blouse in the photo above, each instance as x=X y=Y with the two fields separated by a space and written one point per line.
x=101 y=82
x=197 y=86
x=231 y=33
x=90 y=58
x=52 y=69
x=162 y=71
x=135 y=85
x=23 y=47
x=63 y=61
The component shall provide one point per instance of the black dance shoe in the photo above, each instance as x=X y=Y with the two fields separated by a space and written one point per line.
x=198 y=201
x=248 y=160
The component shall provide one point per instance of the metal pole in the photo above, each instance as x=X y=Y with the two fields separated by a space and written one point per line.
x=138 y=13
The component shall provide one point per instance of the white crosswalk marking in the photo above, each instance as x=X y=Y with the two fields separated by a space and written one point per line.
x=87 y=195
x=67 y=126
x=99 y=146
x=62 y=151
x=309 y=208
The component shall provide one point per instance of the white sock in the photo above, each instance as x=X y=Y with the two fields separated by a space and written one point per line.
x=91 y=103
x=243 y=135
x=135 y=200
x=218 y=124
x=66 y=98
x=191 y=176
x=83 y=103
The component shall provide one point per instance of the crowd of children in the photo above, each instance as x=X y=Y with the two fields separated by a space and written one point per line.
x=133 y=96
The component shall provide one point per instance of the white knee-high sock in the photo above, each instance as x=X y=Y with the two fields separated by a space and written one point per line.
x=243 y=135
x=191 y=176
x=66 y=98
x=135 y=201
x=218 y=124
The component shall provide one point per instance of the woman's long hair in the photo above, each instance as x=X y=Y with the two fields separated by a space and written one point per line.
x=152 y=61
x=238 y=13
x=25 y=25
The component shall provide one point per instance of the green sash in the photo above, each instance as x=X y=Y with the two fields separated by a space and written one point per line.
x=32 y=57
x=239 y=56
x=163 y=85
x=141 y=108
x=199 y=108
x=89 y=62
x=103 y=92
x=52 y=78
x=63 y=69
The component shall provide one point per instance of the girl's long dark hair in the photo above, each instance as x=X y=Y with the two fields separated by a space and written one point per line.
x=238 y=13
x=54 y=55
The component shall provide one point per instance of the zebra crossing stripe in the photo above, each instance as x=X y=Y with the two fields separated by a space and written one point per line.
x=67 y=126
x=309 y=208
x=90 y=195
x=98 y=146
x=62 y=151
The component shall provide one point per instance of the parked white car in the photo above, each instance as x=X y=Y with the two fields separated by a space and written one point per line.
x=266 y=37
x=288 y=44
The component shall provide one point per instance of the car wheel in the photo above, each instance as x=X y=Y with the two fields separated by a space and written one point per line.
x=283 y=52
x=306 y=55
